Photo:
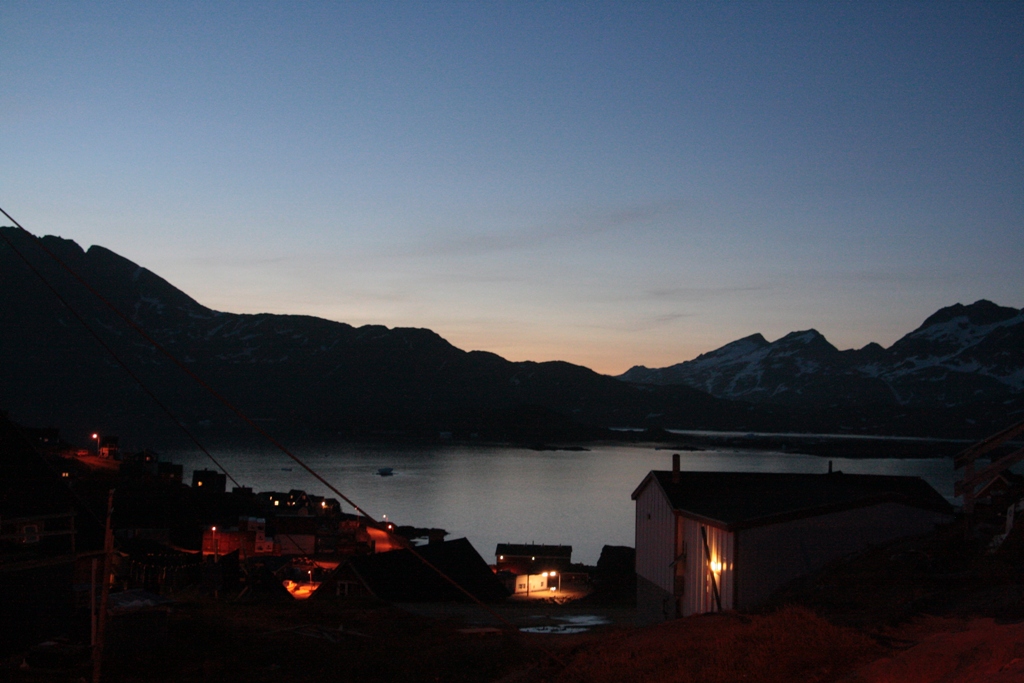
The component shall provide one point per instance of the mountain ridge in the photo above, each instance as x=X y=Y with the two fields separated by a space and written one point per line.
x=975 y=352
x=310 y=376
x=300 y=373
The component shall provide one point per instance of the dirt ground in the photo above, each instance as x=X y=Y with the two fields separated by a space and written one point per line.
x=209 y=640
x=929 y=610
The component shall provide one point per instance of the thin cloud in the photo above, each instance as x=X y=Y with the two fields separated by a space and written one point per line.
x=589 y=225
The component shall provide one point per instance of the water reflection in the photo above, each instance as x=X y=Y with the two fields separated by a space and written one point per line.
x=498 y=495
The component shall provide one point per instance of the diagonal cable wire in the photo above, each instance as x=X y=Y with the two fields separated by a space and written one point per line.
x=113 y=354
x=181 y=366
x=230 y=406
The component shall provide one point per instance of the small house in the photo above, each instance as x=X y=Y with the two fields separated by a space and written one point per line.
x=401 y=576
x=712 y=541
x=249 y=538
x=109 y=448
x=209 y=482
x=530 y=558
x=169 y=472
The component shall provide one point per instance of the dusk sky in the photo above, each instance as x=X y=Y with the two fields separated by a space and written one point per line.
x=605 y=183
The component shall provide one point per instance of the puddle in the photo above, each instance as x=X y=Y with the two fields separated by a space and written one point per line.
x=575 y=624
x=561 y=628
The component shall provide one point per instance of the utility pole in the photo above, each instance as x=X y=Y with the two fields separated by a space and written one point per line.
x=108 y=552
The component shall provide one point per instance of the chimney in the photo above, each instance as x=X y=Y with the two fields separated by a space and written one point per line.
x=675 y=468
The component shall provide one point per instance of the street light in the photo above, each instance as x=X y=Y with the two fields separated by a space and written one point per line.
x=96 y=438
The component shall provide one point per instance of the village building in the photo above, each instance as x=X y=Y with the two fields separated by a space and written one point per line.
x=532 y=569
x=38 y=544
x=249 y=539
x=169 y=472
x=109 y=447
x=209 y=482
x=530 y=558
x=713 y=541
x=401 y=576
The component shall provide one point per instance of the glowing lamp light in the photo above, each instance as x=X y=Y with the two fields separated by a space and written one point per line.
x=213 y=528
x=552 y=589
x=534 y=559
x=501 y=557
x=544 y=574
x=551 y=573
x=199 y=483
x=716 y=566
x=277 y=502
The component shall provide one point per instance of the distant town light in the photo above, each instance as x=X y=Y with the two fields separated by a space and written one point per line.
x=199 y=483
x=501 y=557
x=213 y=528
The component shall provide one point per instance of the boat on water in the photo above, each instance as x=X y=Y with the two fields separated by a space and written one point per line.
x=385 y=472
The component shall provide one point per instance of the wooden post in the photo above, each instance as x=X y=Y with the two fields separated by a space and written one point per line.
x=108 y=551
x=714 y=580
x=92 y=605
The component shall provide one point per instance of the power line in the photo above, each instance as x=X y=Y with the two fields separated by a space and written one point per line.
x=106 y=347
x=228 y=404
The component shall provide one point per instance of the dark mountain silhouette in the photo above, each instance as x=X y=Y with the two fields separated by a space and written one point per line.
x=293 y=374
x=957 y=375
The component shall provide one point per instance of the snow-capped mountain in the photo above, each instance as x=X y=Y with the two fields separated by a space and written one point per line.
x=959 y=355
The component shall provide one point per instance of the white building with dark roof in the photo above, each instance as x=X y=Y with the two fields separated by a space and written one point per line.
x=711 y=541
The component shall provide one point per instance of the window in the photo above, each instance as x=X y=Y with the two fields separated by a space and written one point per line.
x=30 y=533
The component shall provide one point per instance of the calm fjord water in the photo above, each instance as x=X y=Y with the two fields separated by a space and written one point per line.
x=495 y=495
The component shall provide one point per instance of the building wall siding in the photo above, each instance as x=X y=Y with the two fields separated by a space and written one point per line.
x=655 y=537
x=773 y=555
x=654 y=604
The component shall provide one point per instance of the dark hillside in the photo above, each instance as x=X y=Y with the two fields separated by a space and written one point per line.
x=292 y=374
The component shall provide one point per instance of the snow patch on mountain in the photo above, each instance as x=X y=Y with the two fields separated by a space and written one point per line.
x=973 y=344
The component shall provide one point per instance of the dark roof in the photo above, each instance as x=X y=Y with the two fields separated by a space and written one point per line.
x=746 y=499
x=531 y=550
x=399 y=576
x=28 y=486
